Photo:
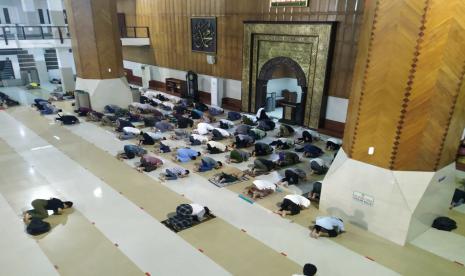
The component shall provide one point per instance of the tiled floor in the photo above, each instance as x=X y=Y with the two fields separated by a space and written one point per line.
x=245 y=239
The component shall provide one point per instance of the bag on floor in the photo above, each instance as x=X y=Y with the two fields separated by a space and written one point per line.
x=67 y=119
x=183 y=218
x=444 y=223
x=37 y=227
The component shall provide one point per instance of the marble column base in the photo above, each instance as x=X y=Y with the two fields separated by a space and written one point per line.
x=67 y=79
x=107 y=91
x=396 y=205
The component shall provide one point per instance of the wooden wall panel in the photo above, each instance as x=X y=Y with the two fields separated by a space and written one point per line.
x=95 y=38
x=169 y=22
x=408 y=97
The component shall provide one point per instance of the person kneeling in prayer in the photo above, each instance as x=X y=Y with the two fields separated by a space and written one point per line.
x=214 y=147
x=285 y=131
x=41 y=207
x=292 y=205
x=283 y=143
x=197 y=139
x=199 y=212
x=330 y=226
x=243 y=141
x=226 y=178
x=333 y=144
x=262 y=166
x=184 y=155
x=292 y=177
x=149 y=163
x=220 y=134
x=174 y=173
x=318 y=166
x=129 y=133
x=260 y=189
x=288 y=158
x=207 y=164
x=315 y=192
x=237 y=156
x=131 y=151
x=310 y=150
x=262 y=149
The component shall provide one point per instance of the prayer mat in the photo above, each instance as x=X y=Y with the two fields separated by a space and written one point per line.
x=222 y=185
x=206 y=218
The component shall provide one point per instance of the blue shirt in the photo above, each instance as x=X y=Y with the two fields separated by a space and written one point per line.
x=185 y=154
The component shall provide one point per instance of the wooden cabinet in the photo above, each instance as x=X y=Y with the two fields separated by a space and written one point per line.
x=176 y=87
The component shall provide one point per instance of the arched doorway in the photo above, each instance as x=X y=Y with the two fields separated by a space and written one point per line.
x=283 y=67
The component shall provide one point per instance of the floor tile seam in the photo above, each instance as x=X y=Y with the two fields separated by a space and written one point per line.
x=193 y=250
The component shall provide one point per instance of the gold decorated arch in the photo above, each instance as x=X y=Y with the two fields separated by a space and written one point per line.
x=309 y=44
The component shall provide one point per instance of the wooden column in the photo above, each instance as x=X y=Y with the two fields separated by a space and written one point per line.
x=408 y=95
x=95 y=38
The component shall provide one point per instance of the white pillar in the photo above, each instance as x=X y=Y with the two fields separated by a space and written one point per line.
x=66 y=69
x=217 y=91
x=41 y=66
x=30 y=12
x=56 y=8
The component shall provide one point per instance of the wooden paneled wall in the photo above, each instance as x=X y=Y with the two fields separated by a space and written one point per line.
x=169 y=22
x=408 y=93
x=95 y=38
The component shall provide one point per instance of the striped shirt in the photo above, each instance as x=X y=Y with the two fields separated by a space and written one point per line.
x=178 y=170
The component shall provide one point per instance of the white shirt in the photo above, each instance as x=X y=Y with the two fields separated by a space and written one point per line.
x=335 y=141
x=168 y=104
x=150 y=94
x=201 y=138
x=260 y=111
x=204 y=128
x=155 y=135
x=217 y=145
x=228 y=122
x=299 y=200
x=196 y=208
x=137 y=105
x=131 y=130
x=329 y=223
x=264 y=185
x=156 y=100
x=223 y=132
x=320 y=161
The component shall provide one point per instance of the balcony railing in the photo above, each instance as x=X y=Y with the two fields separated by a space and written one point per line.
x=58 y=32
x=34 y=33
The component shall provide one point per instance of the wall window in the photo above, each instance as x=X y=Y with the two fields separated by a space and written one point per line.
x=7 y=16
x=41 y=16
